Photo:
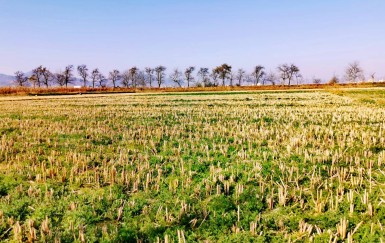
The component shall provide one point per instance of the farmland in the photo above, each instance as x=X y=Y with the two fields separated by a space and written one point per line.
x=183 y=167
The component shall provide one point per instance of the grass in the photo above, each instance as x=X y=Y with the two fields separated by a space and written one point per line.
x=232 y=166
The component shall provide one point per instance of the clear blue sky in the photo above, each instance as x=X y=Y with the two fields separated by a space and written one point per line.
x=321 y=37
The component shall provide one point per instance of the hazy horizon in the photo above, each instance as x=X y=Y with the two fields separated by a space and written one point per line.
x=321 y=38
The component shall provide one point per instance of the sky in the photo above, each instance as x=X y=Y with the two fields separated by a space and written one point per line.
x=320 y=37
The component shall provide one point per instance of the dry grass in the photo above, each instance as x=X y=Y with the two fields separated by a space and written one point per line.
x=63 y=91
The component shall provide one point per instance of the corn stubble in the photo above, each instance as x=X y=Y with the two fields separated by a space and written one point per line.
x=300 y=166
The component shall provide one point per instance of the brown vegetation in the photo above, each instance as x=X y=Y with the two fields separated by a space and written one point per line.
x=85 y=90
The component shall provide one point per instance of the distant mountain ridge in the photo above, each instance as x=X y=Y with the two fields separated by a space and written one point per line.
x=6 y=80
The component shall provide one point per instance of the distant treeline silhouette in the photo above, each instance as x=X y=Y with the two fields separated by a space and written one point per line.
x=134 y=77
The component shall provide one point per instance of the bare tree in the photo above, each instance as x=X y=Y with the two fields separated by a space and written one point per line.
x=258 y=74
x=33 y=80
x=223 y=72
x=270 y=77
x=334 y=80
x=83 y=72
x=373 y=77
x=102 y=80
x=133 y=78
x=204 y=73
x=317 y=80
x=59 y=79
x=299 y=78
x=214 y=75
x=293 y=72
x=287 y=72
x=159 y=70
x=176 y=77
x=249 y=78
x=114 y=76
x=354 y=72
x=126 y=79
x=95 y=75
x=68 y=75
x=188 y=74
x=133 y=72
x=240 y=76
x=46 y=75
x=141 y=79
x=232 y=76
x=37 y=76
x=284 y=72
x=149 y=75
x=20 y=79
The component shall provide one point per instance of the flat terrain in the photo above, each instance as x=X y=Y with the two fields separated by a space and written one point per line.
x=220 y=166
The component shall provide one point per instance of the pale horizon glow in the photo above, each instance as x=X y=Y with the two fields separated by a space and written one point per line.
x=320 y=37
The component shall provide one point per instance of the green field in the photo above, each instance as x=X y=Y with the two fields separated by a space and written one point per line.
x=187 y=167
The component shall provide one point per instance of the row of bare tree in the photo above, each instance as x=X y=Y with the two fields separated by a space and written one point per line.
x=156 y=77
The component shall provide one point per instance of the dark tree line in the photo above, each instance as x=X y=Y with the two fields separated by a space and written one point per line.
x=156 y=77
x=134 y=77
